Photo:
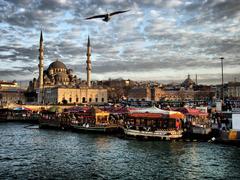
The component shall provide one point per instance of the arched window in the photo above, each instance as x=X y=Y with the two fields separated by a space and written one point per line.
x=83 y=99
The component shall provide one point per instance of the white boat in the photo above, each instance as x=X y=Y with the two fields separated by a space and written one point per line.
x=158 y=134
x=99 y=129
x=153 y=123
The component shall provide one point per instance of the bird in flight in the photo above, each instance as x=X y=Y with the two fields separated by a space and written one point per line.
x=106 y=17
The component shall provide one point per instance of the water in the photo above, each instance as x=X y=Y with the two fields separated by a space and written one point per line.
x=48 y=154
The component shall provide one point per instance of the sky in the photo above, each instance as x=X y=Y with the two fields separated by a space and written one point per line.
x=160 y=40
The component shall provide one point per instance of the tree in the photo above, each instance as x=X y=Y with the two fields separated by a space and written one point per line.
x=181 y=95
x=64 y=101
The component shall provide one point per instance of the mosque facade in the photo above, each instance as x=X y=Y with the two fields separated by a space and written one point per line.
x=57 y=84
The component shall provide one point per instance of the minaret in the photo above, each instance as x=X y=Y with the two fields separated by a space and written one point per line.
x=40 y=65
x=89 y=66
x=196 y=80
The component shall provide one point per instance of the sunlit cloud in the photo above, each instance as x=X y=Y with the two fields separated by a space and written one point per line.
x=155 y=40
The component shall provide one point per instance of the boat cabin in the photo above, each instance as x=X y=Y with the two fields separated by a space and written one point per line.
x=151 y=122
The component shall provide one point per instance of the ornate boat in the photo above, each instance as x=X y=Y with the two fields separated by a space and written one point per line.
x=94 y=120
x=153 y=124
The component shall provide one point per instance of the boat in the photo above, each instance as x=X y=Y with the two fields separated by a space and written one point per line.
x=197 y=125
x=55 y=120
x=18 y=115
x=94 y=120
x=153 y=123
x=230 y=132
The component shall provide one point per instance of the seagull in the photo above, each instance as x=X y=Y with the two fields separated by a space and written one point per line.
x=106 y=17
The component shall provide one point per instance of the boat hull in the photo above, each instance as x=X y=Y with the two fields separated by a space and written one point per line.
x=162 y=135
x=231 y=137
x=96 y=129
x=198 y=133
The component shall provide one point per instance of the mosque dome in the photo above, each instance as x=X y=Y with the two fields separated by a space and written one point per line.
x=188 y=82
x=57 y=65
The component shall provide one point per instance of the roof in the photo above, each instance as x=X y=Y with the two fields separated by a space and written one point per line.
x=191 y=111
x=7 y=83
x=145 y=115
x=57 y=64
x=155 y=110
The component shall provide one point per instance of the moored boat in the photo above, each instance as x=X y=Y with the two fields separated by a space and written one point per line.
x=94 y=120
x=18 y=115
x=230 y=134
x=55 y=120
x=153 y=124
x=197 y=125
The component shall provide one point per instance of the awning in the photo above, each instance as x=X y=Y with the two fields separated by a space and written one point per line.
x=158 y=112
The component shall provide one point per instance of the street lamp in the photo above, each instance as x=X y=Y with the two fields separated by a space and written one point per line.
x=222 y=92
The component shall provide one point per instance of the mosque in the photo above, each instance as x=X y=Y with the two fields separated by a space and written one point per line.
x=57 y=84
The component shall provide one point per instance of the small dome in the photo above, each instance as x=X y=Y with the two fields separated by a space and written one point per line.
x=57 y=64
x=188 y=82
x=46 y=79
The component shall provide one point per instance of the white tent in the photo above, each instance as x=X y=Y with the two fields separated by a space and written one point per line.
x=157 y=111
x=149 y=110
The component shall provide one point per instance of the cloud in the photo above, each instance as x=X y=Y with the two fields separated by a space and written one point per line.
x=156 y=39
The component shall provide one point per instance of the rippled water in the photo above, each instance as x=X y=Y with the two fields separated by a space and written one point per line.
x=48 y=154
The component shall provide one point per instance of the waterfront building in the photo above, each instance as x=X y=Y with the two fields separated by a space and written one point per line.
x=10 y=93
x=218 y=90
x=117 y=88
x=185 y=91
x=8 y=96
x=233 y=90
x=7 y=85
x=140 y=94
x=68 y=95
x=57 y=84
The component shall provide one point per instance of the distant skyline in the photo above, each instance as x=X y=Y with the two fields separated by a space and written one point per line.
x=163 y=40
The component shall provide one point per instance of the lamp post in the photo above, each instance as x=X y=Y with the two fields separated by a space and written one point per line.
x=222 y=92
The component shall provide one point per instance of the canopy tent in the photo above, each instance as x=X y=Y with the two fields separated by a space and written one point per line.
x=146 y=115
x=155 y=110
x=147 y=110
x=191 y=111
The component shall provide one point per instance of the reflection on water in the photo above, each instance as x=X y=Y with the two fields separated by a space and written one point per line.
x=33 y=153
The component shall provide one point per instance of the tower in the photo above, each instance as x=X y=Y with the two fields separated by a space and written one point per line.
x=40 y=65
x=89 y=66
x=40 y=68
